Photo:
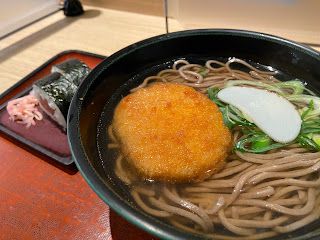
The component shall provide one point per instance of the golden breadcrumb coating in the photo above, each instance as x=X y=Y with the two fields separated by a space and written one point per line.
x=171 y=132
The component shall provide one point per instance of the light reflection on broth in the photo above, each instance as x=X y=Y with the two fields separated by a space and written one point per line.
x=255 y=195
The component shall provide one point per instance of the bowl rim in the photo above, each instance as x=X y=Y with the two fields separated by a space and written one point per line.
x=74 y=135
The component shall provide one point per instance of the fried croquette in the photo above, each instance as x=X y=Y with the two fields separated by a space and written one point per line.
x=171 y=132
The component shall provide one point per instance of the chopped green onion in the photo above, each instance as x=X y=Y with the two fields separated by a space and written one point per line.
x=296 y=86
x=309 y=109
x=307 y=142
x=226 y=118
x=261 y=143
x=239 y=117
x=302 y=98
x=212 y=93
x=257 y=144
x=316 y=139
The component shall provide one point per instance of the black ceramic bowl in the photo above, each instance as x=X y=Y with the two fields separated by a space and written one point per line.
x=92 y=107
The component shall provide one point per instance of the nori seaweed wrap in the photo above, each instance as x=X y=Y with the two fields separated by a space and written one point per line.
x=55 y=91
x=73 y=70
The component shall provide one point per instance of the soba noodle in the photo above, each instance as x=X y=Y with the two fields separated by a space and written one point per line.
x=255 y=196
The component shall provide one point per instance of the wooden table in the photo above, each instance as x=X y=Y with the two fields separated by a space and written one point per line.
x=39 y=199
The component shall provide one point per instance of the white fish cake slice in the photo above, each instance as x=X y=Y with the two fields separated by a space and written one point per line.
x=273 y=114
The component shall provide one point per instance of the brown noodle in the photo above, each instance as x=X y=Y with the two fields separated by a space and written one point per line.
x=255 y=196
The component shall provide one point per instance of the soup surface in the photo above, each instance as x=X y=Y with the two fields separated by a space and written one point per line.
x=267 y=182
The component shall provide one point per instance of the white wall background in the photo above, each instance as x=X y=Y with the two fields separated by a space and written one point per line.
x=297 y=19
x=17 y=13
